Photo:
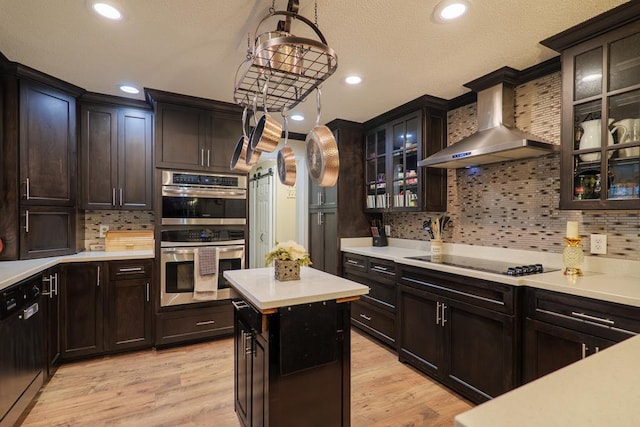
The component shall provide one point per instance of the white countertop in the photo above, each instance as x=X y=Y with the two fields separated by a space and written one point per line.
x=259 y=287
x=13 y=271
x=601 y=390
x=621 y=285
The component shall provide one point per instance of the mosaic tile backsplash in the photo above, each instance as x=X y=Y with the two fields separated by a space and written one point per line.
x=515 y=204
x=116 y=220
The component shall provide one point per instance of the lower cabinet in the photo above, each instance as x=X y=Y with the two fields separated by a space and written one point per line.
x=51 y=310
x=449 y=329
x=561 y=329
x=292 y=365
x=194 y=324
x=106 y=307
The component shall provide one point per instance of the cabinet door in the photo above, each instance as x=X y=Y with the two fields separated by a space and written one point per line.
x=181 y=136
x=316 y=240
x=47 y=146
x=548 y=348
x=420 y=333
x=243 y=379
x=225 y=132
x=480 y=349
x=323 y=237
x=98 y=154
x=51 y=305
x=259 y=382
x=82 y=309
x=135 y=169
x=47 y=231
x=376 y=169
x=130 y=314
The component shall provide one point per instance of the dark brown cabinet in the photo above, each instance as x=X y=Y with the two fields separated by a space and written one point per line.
x=336 y=212
x=194 y=133
x=459 y=330
x=51 y=314
x=116 y=162
x=215 y=319
x=106 y=307
x=394 y=144
x=600 y=163
x=130 y=311
x=37 y=209
x=374 y=313
x=82 y=310
x=561 y=329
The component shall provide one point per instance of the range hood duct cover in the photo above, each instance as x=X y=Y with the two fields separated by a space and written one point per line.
x=497 y=139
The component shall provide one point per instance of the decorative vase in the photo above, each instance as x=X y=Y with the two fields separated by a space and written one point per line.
x=287 y=270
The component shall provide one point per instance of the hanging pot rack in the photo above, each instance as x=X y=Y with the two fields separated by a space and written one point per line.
x=293 y=66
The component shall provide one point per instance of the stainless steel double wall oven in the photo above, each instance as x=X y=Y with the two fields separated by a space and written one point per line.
x=200 y=210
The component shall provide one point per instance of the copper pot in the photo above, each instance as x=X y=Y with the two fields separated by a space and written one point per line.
x=242 y=160
x=322 y=156
x=267 y=133
x=276 y=55
x=286 y=160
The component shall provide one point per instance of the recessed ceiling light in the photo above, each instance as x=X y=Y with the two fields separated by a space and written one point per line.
x=353 y=80
x=448 y=10
x=297 y=117
x=129 y=89
x=107 y=10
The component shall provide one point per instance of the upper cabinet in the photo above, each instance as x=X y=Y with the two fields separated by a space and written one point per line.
x=116 y=162
x=600 y=163
x=394 y=143
x=194 y=133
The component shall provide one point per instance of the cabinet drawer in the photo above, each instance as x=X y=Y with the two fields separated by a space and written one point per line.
x=194 y=324
x=377 y=322
x=353 y=263
x=129 y=269
x=478 y=292
x=382 y=270
x=606 y=319
x=382 y=293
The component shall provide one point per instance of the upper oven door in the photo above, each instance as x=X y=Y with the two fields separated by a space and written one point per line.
x=192 y=206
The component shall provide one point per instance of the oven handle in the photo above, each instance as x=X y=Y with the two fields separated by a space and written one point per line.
x=189 y=249
x=206 y=193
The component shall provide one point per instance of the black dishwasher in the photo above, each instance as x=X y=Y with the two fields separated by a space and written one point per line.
x=21 y=347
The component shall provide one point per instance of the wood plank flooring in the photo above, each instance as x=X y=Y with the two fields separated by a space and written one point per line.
x=193 y=386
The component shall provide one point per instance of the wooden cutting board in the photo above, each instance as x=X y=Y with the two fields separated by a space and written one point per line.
x=129 y=240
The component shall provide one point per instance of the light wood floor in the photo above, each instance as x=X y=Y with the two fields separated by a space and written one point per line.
x=193 y=386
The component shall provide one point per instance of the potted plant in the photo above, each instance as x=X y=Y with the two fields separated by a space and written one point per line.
x=288 y=257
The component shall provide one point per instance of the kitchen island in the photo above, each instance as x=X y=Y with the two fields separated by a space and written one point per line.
x=292 y=348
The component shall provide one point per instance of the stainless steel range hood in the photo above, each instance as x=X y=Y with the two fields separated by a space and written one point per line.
x=497 y=138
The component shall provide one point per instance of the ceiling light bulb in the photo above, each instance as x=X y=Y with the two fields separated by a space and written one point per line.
x=353 y=80
x=297 y=117
x=107 y=11
x=453 y=11
x=129 y=89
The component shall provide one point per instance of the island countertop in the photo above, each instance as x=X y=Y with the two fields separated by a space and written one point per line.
x=259 y=287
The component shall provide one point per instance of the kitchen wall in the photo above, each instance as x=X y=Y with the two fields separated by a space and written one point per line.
x=116 y=220
x=515 y=204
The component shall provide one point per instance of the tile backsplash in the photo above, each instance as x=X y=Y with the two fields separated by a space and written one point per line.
x=116 y=220
x=515 y=204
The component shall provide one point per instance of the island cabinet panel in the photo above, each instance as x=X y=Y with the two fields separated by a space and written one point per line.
x=292 y=365
x=561 y=329
x=374 y=313
x=460 y=330
x=115 y=157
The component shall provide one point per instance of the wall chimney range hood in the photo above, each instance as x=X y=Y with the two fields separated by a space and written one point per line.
x=497 y=138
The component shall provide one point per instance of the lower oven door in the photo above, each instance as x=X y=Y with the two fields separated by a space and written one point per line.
x=177 y=273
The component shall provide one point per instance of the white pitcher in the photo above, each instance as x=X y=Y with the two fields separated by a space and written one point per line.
x=628 y=131
x=591 y=138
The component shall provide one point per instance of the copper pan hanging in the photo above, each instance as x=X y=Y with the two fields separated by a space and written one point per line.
x=286 y=159
x=267 y=133
x=242 y=160
x=322 y=152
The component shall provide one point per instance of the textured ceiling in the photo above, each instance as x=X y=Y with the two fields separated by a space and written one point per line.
x=195 y=46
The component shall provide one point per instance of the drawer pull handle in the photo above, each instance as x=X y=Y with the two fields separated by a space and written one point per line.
x=584 y=350
x=353 y=262
x=206 y=322
x=593 y=318
x=365 y=317
x=437 y=313
x=239 y=305
x=380 y=268
x=130 y=269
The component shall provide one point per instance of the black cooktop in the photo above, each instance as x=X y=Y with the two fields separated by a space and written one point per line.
x=487 y=265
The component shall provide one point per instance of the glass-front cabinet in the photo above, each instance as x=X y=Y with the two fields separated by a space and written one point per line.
x=392 y=149
x=601 y=122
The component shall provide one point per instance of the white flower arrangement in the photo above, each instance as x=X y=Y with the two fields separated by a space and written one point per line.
x=289 y=251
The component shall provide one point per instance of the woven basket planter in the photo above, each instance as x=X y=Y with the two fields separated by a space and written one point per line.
x=287 y=270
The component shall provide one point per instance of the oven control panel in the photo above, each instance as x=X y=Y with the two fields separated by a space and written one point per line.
x=202 y=235
x=203 y=180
